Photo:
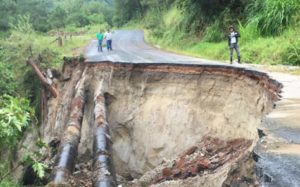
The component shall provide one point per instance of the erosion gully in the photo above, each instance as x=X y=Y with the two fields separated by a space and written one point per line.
x=155 y=124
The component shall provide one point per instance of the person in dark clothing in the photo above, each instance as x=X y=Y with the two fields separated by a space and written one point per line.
x=233 y=39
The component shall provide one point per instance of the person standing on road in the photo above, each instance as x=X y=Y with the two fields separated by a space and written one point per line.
x=100 y=39
x=108 y=37
x=233 y=43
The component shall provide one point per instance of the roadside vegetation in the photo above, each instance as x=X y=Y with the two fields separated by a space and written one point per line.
x=44 y=31
x=270 y=29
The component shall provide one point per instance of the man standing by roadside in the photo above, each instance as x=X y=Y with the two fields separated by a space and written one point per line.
x=108 y=37
x=100 y=39
x=233 y=43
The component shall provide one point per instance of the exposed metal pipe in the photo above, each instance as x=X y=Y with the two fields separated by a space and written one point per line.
x=71 y=137
x=103 y=171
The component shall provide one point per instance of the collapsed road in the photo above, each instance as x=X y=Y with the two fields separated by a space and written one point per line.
x=138 y=116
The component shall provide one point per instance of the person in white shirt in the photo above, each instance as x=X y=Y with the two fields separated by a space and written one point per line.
x=233 y=43
x=108 y=37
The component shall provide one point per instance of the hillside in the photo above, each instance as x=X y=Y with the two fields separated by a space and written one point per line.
x=200 y=28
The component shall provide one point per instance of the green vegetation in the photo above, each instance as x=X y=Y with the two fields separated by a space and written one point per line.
x=272 y=17
x=15 y=115
x=269 y=28
x=34 y=159
x=44 y=31
x=56 y=14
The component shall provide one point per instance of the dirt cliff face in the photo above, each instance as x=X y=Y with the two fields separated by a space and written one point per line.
x=156 y=112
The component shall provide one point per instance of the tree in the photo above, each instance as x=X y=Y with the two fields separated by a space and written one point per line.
x=126 y=10
x=79 y=19
x=198 y=14
x=39 y=12
x=57 y=18
x=7 y=10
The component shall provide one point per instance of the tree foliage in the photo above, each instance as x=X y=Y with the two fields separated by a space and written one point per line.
x=45 y=15
x=126 y=10
x=34 y=159
x=57 y=18
x=15 y=114
x=200 y=14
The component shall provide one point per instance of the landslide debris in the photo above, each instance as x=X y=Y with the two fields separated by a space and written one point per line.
x=204 y=158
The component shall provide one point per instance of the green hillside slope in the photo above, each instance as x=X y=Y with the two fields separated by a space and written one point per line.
x=270 y=29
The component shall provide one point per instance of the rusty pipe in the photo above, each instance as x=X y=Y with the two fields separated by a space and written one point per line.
x=42 y=78
x=102 y=156
x=71 y=137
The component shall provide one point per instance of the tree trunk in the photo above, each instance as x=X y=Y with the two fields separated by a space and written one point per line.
x=43 y=79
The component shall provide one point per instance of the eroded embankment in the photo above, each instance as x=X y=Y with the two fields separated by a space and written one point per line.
x=169 y=125
x=155 y=112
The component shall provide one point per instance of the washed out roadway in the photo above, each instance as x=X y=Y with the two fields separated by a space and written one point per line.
x=279 y=151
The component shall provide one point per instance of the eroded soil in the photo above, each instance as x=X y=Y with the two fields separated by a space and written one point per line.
x=169 y=125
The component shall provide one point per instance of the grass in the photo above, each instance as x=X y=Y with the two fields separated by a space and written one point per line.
x=265 y=52
x=268 y=52
x=44 y=42
x=77 y=42
x=255 y=49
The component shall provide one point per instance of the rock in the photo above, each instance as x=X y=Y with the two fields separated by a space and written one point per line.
x=215 y=161
x=221 y=154
x=185 y=174
x=180 y=163
x=189 y=151
x=261 y=133
x=255 y=156
x=203 y=164
x=176 y=173
x=194 y=169
x=167 y=172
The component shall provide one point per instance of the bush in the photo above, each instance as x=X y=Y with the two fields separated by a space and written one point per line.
x=7 y=81
x=79 y=19
x=213 y=33
x=4 y=168
x=153 y=19
x=8 y=183
x=15 y=114
x=249 y=32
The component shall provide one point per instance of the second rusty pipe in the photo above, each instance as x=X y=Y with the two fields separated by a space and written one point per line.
x=102 y=155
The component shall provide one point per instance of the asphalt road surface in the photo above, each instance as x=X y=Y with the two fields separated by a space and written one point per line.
x=129 y=46
x=279 y=151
